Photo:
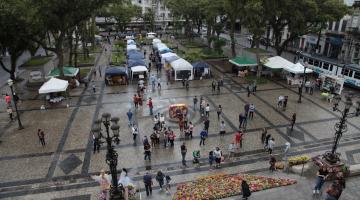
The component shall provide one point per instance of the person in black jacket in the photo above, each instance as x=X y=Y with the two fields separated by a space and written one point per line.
x=245 y=190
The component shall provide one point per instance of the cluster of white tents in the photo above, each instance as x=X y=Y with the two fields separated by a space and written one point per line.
x=278 y=62
x=135 y=61
x=182 y=68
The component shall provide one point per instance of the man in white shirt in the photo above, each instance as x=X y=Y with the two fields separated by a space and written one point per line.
x=207 y=110
x=271 y=145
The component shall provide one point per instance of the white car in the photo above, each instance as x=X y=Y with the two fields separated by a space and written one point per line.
x=129 y=37
x=150 y=35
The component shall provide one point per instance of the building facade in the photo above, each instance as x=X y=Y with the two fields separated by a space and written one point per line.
x=351 y=47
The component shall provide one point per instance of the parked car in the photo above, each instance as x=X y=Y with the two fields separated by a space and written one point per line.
x=150 y=35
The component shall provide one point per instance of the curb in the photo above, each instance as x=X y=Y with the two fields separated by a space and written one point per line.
x=354 y=170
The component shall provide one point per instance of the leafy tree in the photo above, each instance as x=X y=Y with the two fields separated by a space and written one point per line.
x=123 y=13
x=149 y=17
x=60 y=16
x=14 y=17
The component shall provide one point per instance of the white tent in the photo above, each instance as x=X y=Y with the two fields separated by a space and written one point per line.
x=131 y=46
x=278 y=62
x=182 y=69
x=160 y=45
x=129 y=42
x=168 y=55
x=138 y=70
x=53 y=85
x=156 y=41
x=297 y=68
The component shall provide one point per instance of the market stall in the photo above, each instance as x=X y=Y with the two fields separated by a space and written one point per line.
x=55 y=89
x=138 y=72
x=130 y=42
x=201 y=69
x=116 y=75
x=182 y=69
x=135 y=55
x=130 y=47
x=177 y=111
x=159 y=46
x=137 y=62
x=331 y=84
x=156 y=41
x=294 y=73
x=68 y=71
x=242 y=64
x=163 y=50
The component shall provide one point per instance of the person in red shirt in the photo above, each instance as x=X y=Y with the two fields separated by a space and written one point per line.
x=8 y=99
x=150 y=104
x=181 y=125
x=135 y=99
x=238 y=139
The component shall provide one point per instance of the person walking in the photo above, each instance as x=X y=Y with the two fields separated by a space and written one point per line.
x=10 y=113
x=195 y=101
x=129 y=115
x=207 y=124
x=218 y=87
x=203 y=136
x=159 y=84
x=272 y=163
x=267 y=139
x=135 y=132
x=217 y=155
x=191 y=128
x=251 y=111
x=246 y=109
x=222 y=128
x=333 y=191
x=254 y=86
x=241 y=120
x=153 y=139
x=245 y=189
x=285 y=102
x=94 y=88
x=183 y=154
x=147 y=151
x=271 y=145
x=213 y=86
x=148 y=183
x=153 y=81
x=171 y=136
x=286 y=150
x=219 y=111
x=96 y=143
x=135 y=100
x=321 y=176
x=263 y=135
x=207 y=110
x=168 y=186
x=231 y=151
x=105 y=181
x=165 y=137
x=211 y=159
x=41 y=136
x=160 y=179
x=248 y=91
x=7 y=99
x=238 y=139
x=151 y=106
x=293 y=120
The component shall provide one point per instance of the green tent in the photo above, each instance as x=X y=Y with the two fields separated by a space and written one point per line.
x=68 y=71
x=243 y=61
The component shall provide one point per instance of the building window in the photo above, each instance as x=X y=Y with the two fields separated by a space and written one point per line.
x=330 y=26
x=331 y=68
x=345 y=72
x=326 y=66
x=354 y=21
x=316 y=64
x=343 y=26
x=311 y=62
x=337 y=26
x=357 y=75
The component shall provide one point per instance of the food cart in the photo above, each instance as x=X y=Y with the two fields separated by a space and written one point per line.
x=177 y=110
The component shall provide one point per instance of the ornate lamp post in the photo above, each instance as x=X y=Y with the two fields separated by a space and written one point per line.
x=303 y=83
x=11 y=84
x=332 y=156
x=116 y=192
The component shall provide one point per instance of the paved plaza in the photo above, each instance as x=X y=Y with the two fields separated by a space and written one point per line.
x=62 y=169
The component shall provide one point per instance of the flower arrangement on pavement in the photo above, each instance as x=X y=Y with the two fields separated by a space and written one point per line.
x=224 y=185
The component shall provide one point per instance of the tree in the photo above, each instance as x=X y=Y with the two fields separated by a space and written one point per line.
x=15 y=37
x=255 y=21
x=60 y=16
x=123 y=13
x=233 y=10
x=149 y=17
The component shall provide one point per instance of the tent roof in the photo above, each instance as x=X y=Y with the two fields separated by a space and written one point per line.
x=139 y=69
x=242 y=61
x=116 y=70
x=168 y=55
x=159 y=45
x=68 y=71
x=139 y=62
x=135 y=55
x=131 y=46
x=278 y=62
x=155 y=41
x=297 y=68
x=181 y=64
x=171 y=59
x=200 y=65
x=165 y=50
x=53 y=85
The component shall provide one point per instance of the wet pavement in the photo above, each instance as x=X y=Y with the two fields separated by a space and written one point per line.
x=62 y=168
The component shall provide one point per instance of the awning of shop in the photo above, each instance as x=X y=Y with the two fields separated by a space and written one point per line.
x=68 y=71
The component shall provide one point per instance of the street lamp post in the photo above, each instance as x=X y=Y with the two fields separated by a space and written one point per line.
x=116 y=192
x=11 y=84
x=340 y=127
x=303 y=83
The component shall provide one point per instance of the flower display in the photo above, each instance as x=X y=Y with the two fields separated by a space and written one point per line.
x=298 y=160
x=224 y=185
